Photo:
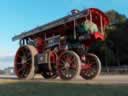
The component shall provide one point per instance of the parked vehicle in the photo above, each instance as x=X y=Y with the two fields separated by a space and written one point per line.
x=60 y=48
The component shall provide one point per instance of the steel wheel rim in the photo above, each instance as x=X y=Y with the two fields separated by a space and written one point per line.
x=67 y=66
x=23 y=61
x=94 y=68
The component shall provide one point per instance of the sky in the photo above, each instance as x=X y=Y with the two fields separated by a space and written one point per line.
x=17 y=16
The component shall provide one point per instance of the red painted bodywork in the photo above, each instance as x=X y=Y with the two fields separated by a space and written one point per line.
x=67 y=28
x=96 y=12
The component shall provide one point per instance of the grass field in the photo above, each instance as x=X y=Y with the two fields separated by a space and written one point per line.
x=18 y=88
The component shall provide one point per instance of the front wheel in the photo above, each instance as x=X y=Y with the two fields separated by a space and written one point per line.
x=69 y=65
x=91 y=67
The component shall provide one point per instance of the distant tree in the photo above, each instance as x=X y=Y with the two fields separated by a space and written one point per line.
x=115 y=17
x=119 y=36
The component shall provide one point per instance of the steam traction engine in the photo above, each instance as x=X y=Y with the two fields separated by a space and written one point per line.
x=60 y=48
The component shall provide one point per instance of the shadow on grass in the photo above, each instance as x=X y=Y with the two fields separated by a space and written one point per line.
x=55 y=89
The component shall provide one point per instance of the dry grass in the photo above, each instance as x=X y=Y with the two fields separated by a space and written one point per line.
x=8 y=81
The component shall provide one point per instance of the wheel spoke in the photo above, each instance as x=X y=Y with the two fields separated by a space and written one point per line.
x=73 y=66
x=22 y=51
x=27 y=61
x=19 y=56
x=21 y=69
x=19 y=63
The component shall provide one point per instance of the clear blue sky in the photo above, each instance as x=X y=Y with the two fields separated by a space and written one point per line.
x=17 y=16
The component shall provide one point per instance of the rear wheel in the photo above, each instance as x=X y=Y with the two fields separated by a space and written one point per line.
x=24 y=65
x=92 y=67
x=69 y=65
